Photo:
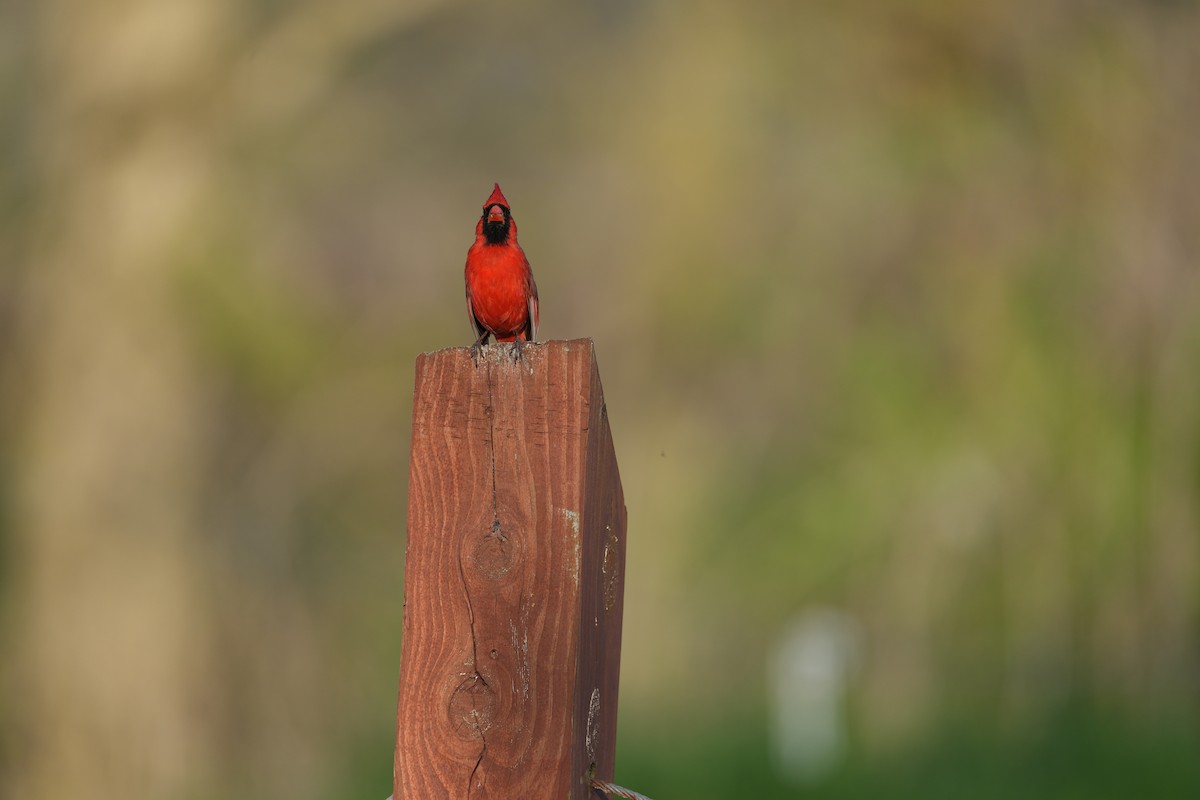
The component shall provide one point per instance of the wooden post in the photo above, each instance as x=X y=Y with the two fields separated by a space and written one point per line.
x=514 y=578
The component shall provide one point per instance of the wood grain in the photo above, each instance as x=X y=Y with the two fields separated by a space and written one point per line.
x=514 y=578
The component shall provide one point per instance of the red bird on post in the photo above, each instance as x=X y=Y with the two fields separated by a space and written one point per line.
x=502 y=298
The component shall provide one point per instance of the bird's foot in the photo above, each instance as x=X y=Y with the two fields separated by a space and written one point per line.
x=517 y=348
x=476 y=347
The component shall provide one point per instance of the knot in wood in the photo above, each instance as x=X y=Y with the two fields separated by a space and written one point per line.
x=493 y=555
x=472 y=707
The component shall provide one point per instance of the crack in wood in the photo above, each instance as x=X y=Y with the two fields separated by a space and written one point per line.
x=474 y=769
x=498 y=532
x=496 y=529
x=478 y=721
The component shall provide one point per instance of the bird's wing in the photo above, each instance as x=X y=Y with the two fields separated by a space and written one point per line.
x=531 y=328
x=476 y=325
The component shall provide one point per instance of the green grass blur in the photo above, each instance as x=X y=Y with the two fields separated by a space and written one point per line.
x=1076 y=755
x=896 y=307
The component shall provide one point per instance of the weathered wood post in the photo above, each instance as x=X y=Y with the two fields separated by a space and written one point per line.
x=514 y=578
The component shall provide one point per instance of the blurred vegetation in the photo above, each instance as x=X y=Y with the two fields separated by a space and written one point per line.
x=897 y=312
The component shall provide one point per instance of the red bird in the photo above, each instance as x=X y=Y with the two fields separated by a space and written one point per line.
x=502 y=298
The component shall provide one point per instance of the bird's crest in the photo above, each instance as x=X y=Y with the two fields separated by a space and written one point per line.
x=496 y=196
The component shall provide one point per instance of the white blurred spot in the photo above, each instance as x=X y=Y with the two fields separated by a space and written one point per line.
x=808 y=677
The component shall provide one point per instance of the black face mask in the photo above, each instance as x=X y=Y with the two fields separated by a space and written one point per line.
x=496 y=231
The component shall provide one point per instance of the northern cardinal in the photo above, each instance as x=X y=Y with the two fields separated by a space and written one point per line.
x=502 y=299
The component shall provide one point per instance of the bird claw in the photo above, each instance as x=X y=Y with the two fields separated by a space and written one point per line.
x=518 y=346
x=478 y=346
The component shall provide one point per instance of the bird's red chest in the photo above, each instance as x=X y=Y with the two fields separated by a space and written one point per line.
x=499 y=281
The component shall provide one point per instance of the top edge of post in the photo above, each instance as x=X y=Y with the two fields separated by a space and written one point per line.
x=497 y=350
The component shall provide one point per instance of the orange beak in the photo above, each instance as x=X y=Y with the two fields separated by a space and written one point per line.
x=495 y=213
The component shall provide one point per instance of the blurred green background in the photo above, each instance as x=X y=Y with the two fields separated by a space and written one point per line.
x=898 y=317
